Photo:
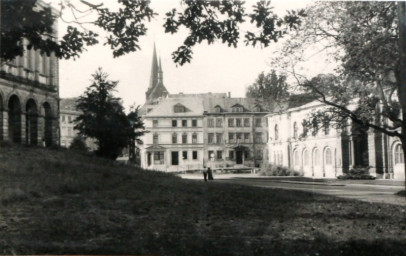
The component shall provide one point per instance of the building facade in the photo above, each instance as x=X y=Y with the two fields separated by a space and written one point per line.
x=29 y=96
x=331 y=152
x=68 y=113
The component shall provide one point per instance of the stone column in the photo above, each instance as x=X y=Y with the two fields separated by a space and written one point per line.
x=41 y=129
x=23 y=127
x=4 y=125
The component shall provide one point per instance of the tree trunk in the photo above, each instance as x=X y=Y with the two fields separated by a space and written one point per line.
x=401 y=6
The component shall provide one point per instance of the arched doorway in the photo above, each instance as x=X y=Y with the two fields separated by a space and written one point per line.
x=48 y=119
x=14 y=119
x=359 y=136
x=398 y=161
x=31 y=123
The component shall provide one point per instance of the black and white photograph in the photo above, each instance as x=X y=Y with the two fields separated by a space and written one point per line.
x=202 y=127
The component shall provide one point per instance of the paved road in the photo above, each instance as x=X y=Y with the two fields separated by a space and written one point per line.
x=369 y=193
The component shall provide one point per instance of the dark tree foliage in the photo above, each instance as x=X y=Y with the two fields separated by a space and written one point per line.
x=206 y=21
x=103 y=118
x=269 y=89
x=78 y=144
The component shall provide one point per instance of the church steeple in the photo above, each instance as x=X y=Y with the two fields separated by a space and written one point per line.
x=156 y=88
x=154 y=70
x=160 y=73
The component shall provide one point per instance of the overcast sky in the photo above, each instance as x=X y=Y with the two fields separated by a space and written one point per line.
x=214 y=68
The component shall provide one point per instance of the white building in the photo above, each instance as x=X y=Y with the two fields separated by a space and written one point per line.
x=330 y=152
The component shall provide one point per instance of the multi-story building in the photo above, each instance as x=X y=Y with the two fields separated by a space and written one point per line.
x=29 y=93
x=331 y=152
x=67 y=115
x=175 y=141
x=235 y=132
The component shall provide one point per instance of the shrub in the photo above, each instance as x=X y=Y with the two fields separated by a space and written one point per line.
x=78 y=144
x=357 y=173
x=277 y=170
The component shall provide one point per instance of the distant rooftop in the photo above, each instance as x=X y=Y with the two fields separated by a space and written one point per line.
x=68 y=104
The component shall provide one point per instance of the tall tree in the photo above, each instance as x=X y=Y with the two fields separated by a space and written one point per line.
x=206 y=21
x=103 y=118
x=269 y=89
x=367 y=39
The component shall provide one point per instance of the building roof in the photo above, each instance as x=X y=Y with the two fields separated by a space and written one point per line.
x=166 y=107
x=68 y=104
x=226 y=104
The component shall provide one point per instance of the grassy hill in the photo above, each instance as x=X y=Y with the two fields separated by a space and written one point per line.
x=59 y=202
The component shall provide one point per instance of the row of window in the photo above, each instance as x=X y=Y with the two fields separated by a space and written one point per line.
x=217 y=138
x=326 y=129
x=236 y=109
x=67 y=119
x=159 y=157
x=184 y=138
x=315 y=160
x=181 y=123
x=242 y=122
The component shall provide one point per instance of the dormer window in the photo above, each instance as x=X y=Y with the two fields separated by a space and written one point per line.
x=179 y=108
x=237 y=108
x=257 y=109
x=217 y=109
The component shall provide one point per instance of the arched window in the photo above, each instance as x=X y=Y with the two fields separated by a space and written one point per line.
x=276 y=132
x=296 y=158
x=316 y=158
x=295 y=130
x=217 y=109
x=328 y=156
x=174 y=138
x=305 y=157
x=398 y=154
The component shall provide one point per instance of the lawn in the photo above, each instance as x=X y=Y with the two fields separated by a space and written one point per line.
x=59 y=202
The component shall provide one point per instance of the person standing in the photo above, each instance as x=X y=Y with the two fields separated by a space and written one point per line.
x=205 y=175
x=209 y=173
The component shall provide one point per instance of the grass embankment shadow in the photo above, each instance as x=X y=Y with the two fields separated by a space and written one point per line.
x=59 y=202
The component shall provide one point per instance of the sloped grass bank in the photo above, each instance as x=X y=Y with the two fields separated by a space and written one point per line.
x=58 y=202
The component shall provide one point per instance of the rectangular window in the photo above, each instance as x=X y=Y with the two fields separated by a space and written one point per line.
x=258 y=122
x=184 y=138
x=69 y=119
x=246 y=122
x=174 y=123
x=159 y=157
x=210 y=122
x=246 y=137
x=259 y=154
x=194 y=154
x=219 y=122
x=219 y=138
x=184 y=155
x=219 y=155
x=155 y=139
x=238 y=122
x=63 y=119
x=231 y=122
x=239 y=137
x=154 y=123
x=210 y=137
x=231 y=138
x=194 y=138
x=184 y=123
x=174 y=138
x=231 y=155
x=258 y=137
x=194 y=123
